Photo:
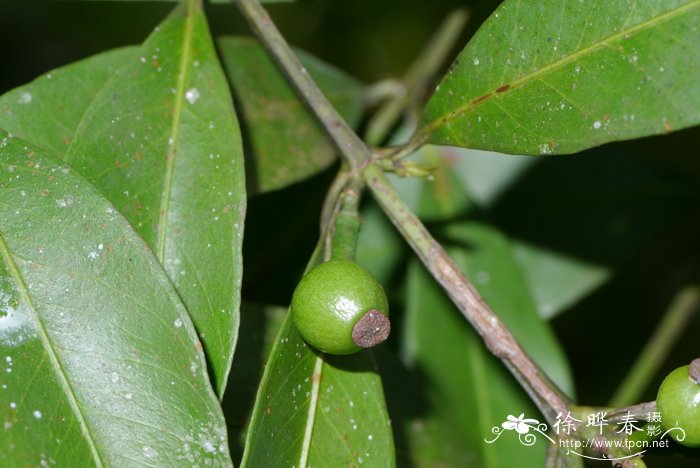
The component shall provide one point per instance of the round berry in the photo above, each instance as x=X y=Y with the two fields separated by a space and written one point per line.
x=678 y=402
x=339 y=308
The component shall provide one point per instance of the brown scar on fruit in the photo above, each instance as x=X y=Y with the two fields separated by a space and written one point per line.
x=372 y=329
x=694 y=369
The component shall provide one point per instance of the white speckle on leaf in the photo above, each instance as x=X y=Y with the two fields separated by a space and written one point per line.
x=208 y=446
x=483 y=277
x=25 y=98
x=476 y=61
x=192 y=95
x=93 y=255
x=178 y=323
x=65 y=201
x=114 y=377
x=37 y=414
x=545 y=148
x=149 y=452
x=597 y=124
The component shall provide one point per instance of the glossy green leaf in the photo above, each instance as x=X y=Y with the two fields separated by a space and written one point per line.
x=286 y=142
x=47 y=111
x=560 y=76
x=259 y=327
x=161 y=141
x=101 y=363
x=318 y=410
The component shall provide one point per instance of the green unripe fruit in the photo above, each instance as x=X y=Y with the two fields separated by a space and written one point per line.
x=340 y=308
x=678 y=401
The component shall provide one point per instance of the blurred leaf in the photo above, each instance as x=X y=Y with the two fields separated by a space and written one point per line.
x=490 y=263
x=285 y=140
x=467 y=387
x=161 y=141
x=469 y=390
x=571 y=221
x=102 y=360
x=559 y=458
x=426 y=434
x=556 y=280
x=558 y=77
x=492 y=267
x=318 y=410
x=575 y=221
x=259 y=326
x=380 y=248
x=485 y=174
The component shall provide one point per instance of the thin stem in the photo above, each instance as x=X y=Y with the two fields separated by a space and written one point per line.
x=346 y=227
x=419 y=76
x=640 y=411
x=497 y=337
x=673 y=323
x=331 y=200
x=345 y=139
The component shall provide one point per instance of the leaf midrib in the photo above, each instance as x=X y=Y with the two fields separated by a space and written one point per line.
x=464 y=109
x=313 y=405
x=173 y=139
x=7 y=257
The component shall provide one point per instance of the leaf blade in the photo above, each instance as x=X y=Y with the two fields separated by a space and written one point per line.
x=329 y=418
x=127 y=380
x=550 y=92
x=286 y=142
x=53 y=94
x=173 y=165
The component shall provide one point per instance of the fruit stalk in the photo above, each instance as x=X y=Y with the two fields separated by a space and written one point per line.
x=346 y=228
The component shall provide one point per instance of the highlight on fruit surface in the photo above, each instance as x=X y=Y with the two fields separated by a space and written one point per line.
x=339 y=308
x=678 y=401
